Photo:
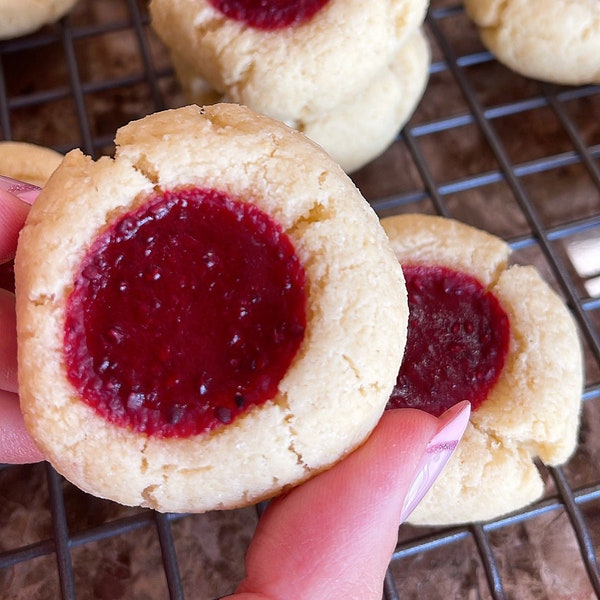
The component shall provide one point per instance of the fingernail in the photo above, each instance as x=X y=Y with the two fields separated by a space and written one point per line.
x=438 y=452
x=22 y=190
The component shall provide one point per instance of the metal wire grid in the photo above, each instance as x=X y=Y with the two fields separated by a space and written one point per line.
x=155 y=80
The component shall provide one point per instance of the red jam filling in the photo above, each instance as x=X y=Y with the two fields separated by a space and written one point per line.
x=458 y=337
x=184 y=313
x=271 y=14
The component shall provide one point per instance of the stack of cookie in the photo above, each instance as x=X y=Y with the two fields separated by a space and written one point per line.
x=347 y=75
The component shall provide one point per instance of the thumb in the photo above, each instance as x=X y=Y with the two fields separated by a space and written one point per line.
x=333 y=536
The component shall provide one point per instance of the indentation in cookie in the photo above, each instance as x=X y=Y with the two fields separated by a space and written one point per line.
x=315 y=214
x=148 y=494
x=185 y=313
x=272 y=15
x=458 y=339
x=147 y=168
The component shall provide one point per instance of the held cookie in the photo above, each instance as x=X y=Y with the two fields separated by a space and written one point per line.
x=20 y=17
x=28 y=162
x=499 y=337
x=206 y=319
x=361 y=128
x=551 y=40
x=301 y=59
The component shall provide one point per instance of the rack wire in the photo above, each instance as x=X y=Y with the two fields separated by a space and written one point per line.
x=517 y=157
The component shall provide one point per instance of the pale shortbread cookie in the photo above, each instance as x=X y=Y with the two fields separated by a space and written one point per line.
x=337 y=386
x=551 y=40
x=20 y=17
x=533 y=409
x=195 y=88
x=28 y=162
x=293 y=72
x=362 y=127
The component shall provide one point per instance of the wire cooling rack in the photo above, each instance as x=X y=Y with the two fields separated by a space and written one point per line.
x=513 y=156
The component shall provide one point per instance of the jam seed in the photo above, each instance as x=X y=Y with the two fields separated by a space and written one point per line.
x=153 y=275
x=175 y=414
x=135 y=400
x=115 y=334
x=223 y=414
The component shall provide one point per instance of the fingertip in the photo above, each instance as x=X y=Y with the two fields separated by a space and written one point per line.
x=22 y=190
x=408 y=425
x=451 y=426
x=13 y=213
x=357 y=501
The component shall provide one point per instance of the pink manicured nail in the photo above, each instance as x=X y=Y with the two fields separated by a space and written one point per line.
x=25 y=191
x=439 y=450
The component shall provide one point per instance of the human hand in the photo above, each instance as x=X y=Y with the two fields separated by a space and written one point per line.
x=331 y=537
x=16 y=446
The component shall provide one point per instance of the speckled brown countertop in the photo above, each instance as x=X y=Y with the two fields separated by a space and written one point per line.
x=501 y=152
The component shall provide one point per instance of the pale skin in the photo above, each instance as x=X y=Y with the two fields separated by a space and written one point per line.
x=322 y=540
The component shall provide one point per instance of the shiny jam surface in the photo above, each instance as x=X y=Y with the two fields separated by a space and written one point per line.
x=458 y=336
x=184 y=313
x=269 y=15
